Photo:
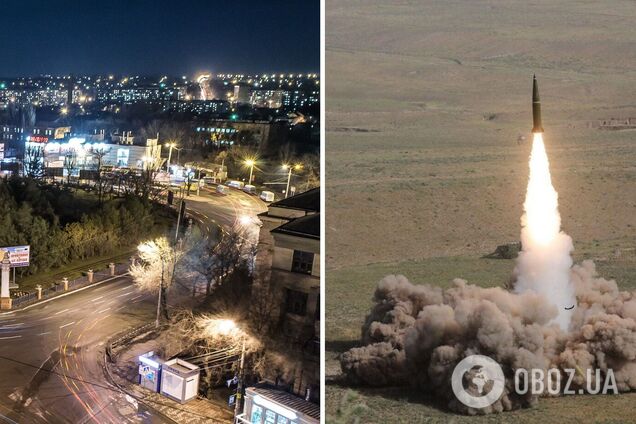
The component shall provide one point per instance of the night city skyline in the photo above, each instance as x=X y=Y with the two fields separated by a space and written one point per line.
x=160 y=37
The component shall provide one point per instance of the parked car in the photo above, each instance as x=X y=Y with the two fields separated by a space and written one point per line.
x=249 y=189
x=267 y=196
x=236 y=184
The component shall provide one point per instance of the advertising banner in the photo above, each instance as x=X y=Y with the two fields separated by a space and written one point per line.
x=18 y=255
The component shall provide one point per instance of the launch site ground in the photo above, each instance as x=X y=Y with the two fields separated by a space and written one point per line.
x=427 y=146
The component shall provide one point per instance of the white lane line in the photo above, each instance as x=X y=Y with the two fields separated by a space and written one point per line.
x=10 y=337
x=66 y=325
x=97 y=298
x=136 y=297
x=50 y=299
x=42 y=334
x=11 y=325
x=65 y=310
x=103 y=310
x=125 y=294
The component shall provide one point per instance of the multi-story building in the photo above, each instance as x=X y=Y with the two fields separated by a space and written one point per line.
x=272 y=99
x=198 y=107
x=288 y=270
x=15 y=137
x=241 y=94
x=240 y=132
x=296 y=99
x=86 y=149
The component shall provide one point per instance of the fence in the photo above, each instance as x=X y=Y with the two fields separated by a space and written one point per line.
x=101 y=275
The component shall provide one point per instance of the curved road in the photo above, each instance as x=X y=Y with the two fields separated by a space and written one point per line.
x=51 y=353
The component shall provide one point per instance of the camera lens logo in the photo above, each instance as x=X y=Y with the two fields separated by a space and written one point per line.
x=485 y=381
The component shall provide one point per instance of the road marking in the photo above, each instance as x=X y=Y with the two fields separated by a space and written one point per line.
x=66 y=325
x=9 y=337
x=89 y=286
x=136 y=297
x=11 y=325
x=57 y=313
x=97 y=298
x=125 y=294
x=103 y=310
x=42 y=334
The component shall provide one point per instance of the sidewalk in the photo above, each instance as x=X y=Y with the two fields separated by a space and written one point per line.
x=124 y=372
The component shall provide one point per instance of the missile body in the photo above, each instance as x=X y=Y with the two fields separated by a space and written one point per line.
x=537 y=127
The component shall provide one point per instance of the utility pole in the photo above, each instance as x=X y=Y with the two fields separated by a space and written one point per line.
x=171 y=145
x=239 y=386
x=290 y=167
x=159 y=297
x=176 y=234
x=288 y=180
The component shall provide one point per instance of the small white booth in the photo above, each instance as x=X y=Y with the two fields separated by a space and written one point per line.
x=179 y=380
x=150 y=371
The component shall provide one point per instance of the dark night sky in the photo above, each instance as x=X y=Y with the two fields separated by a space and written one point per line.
x=158 y=36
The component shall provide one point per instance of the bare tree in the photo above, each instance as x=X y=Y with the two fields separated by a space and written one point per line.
x=100 y=182
x=225 y=257
x=70 y=164
x=34 y=162
x=311 y=167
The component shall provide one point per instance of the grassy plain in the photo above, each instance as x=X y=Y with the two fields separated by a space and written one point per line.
x=428 y=120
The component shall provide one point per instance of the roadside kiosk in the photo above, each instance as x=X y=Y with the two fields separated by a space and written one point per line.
x=179 y=380
x=150 y=371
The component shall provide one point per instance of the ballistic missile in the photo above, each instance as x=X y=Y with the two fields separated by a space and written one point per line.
x=536 y=107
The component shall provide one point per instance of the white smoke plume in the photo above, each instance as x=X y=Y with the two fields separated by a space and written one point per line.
x=416 y=334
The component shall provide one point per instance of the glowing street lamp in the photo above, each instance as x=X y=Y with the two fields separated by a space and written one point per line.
x=296 y=167
x=229 y=327
x=250 y=163
x=172 y=146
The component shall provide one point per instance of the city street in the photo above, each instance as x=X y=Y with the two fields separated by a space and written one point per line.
x=51 y=353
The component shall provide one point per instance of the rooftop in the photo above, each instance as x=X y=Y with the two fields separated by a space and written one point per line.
x=288 y=400
x=307 y=226
x=308 y=201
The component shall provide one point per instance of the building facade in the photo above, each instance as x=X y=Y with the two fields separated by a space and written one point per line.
x=288 y=272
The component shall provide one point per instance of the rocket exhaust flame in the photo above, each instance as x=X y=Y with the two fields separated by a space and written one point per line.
x=544 y=264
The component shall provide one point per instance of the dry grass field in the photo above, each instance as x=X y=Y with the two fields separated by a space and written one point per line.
x=428 y=103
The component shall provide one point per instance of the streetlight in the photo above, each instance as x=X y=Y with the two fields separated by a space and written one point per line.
x=170 y=146
x=228 y=327
x=250 y=163
x=296 y=167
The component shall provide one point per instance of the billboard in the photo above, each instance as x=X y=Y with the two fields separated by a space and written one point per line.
x=18 y=255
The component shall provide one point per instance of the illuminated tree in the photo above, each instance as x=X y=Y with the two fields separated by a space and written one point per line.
x=155 y=271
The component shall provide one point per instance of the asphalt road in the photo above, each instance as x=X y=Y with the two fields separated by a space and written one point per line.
x=51 y=353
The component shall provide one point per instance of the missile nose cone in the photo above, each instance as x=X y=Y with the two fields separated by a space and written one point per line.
x=537 y=126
